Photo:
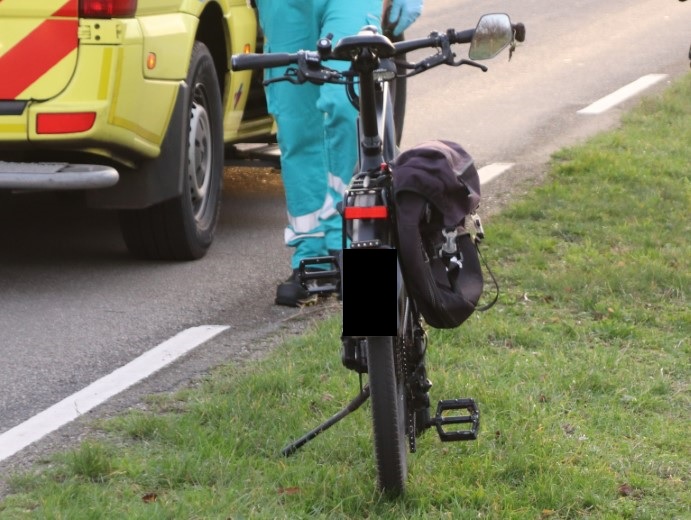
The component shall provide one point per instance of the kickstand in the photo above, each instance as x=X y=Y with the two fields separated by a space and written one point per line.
x=351 y=407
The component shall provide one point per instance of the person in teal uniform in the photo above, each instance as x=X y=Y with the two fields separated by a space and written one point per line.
x=315 y=123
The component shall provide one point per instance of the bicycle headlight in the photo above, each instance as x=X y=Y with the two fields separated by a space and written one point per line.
x=384 y=75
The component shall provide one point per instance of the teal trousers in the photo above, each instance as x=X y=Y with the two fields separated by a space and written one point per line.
x=316 y=124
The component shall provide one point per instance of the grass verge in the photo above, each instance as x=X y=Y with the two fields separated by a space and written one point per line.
x=581 y=372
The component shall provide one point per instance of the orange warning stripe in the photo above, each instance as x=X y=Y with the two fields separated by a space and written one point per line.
x=39 y=51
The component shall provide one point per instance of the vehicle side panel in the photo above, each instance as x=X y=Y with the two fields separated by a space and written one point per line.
x=38 y=47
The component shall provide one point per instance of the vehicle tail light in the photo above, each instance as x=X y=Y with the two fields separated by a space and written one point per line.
x=107 y=8
x=66 y=123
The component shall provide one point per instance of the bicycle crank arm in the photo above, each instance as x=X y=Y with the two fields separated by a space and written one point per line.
x=442 y=420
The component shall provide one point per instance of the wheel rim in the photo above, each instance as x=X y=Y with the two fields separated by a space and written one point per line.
x=199 y=169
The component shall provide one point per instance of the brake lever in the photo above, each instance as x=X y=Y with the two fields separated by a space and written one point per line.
x=291 y=75
x=427 y=63
x=471 y=63
x=303 y=74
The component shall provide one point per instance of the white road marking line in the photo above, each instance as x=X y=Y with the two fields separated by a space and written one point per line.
x=49 y=420
x=489 y=172
x=622 y=94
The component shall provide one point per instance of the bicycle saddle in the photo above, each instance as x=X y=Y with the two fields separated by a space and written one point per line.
x=368 y=38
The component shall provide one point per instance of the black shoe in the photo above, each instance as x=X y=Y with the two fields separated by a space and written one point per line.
x=292 y=294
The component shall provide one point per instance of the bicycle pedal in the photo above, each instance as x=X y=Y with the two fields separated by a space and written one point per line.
x=318 y=280
x=465 y=427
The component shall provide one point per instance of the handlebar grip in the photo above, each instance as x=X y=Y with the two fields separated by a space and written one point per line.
x=261 y=61
x=519 y=31
x=433 y=40
x=412 y=45
x=465 y=36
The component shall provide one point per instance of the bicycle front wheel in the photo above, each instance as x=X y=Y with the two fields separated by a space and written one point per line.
x=387 y=395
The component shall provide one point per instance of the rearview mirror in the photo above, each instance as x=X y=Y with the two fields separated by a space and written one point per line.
x=492 y=35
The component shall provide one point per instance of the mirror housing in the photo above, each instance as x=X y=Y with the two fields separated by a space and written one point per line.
x=492 y=35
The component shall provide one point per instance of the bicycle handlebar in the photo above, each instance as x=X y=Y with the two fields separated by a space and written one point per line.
x=313 y=58
x=434 y=40
x=454 y=37
x=254 y=61
x=264 y=61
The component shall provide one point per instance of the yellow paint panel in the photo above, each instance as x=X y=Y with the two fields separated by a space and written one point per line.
x=10 y=131
x=18 y=33
x=30 y=8
x=171 y=38
x=243 y=31
x=151 y=7
x=45 y=86
x=141 y=106
x=104 y=81
x=12 y=31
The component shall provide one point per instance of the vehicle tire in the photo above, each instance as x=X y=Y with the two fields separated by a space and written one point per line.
x=387 y=395
x=183 y=228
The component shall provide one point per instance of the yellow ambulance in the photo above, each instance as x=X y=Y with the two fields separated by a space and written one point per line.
x=133 y=103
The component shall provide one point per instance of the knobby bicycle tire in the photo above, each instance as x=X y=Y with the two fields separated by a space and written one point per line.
x=387 y=396
x=386 y=365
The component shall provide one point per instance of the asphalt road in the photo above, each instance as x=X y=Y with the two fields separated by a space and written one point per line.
x=74 y=306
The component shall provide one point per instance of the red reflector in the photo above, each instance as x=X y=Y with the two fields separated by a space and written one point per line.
x=64 y=123
x=355 y=212
x=107 y=8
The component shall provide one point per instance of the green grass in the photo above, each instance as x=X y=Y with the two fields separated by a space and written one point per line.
x=581 y=371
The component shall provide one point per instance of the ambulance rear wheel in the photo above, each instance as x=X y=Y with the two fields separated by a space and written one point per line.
x=183 y=228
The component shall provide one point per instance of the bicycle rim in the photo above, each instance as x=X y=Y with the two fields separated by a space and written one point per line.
x=387 y=396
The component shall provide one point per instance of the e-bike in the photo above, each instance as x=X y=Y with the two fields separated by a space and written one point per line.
x=384 y=339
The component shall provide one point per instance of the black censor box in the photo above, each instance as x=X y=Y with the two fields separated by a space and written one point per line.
x=369 y=292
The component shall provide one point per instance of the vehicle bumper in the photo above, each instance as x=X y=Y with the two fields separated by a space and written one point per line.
x=55 y=176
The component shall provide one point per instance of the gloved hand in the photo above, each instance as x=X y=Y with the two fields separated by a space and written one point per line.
x=403 y=13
